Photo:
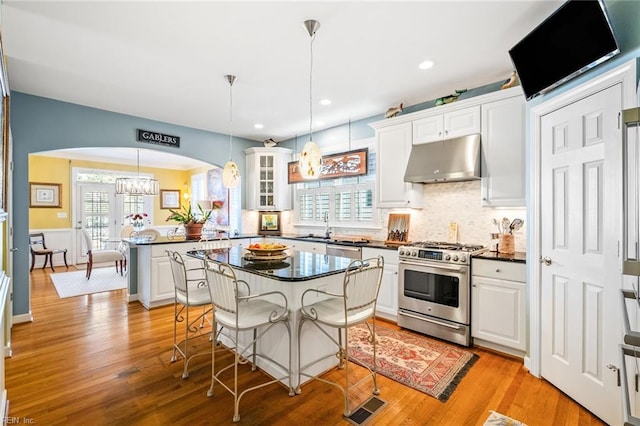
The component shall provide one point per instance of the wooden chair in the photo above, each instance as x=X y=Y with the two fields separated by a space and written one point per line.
x=38 y=247
x=98 y=256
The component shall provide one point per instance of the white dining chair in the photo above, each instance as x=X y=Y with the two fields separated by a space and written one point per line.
x=191 y=291
x=238 y=310
x=99 y=256
x=355 y=304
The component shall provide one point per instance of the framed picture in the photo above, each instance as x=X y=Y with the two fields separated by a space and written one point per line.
x=269 y=223
x=342 y=164
x=44 y=194
x=169 y=198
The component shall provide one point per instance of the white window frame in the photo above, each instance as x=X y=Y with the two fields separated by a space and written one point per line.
x=331 y=186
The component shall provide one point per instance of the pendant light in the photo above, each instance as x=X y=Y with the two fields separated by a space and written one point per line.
x=310 y=158
x=137 y=185
x=230 y=173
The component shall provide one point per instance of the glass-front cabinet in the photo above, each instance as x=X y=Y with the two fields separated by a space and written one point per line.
x=267 y=185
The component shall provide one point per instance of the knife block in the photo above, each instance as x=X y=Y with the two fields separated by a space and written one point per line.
x=398 y=230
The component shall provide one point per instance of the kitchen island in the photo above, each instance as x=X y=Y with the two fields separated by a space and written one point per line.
x=148 y=270
x=292 y=275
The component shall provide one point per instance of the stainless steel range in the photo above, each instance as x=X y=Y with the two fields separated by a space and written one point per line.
x=434 y=287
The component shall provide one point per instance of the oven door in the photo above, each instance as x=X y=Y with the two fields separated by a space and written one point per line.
x=434 y=289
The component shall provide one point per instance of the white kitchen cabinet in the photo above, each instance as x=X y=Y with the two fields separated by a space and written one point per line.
x=155 y=280
x=266 y=182
x=503 y=152
x=498 y=305
x=387 y=306
x=309 y=246
x=393 y=146
x=437 y=127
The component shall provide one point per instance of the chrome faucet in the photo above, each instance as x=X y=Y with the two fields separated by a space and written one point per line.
x=327 y=230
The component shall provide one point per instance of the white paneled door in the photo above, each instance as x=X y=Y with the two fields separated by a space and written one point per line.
x=580 y=227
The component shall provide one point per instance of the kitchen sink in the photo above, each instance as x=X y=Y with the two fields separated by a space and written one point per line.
x=313 y=237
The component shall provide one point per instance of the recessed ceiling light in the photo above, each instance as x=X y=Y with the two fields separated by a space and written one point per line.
x=258 y=126
x=425 y=65
x=325 y=102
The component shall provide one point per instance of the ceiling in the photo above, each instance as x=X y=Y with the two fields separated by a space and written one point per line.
x=166 y=60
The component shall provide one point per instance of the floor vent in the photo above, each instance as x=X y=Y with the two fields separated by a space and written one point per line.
x=366 y=411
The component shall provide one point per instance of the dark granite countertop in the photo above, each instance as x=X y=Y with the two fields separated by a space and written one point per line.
x=299 y=266
x=519 y=256
x=166 y=240
x=320 y=239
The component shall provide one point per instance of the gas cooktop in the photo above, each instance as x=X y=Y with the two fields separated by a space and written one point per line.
x=438 y=251
x=448 y=246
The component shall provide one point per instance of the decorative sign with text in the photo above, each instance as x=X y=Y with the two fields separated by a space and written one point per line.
x=158 y=138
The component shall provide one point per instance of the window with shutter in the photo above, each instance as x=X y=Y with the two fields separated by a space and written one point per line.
x=349 y=201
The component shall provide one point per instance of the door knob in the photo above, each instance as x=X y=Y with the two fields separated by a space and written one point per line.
x=546 y=260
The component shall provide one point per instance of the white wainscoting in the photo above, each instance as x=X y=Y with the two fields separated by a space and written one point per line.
x=57 y=238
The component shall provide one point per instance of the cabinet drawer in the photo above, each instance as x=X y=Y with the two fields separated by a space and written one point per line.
x=511 y=271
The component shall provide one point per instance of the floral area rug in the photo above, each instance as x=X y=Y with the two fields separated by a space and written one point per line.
x=422 y=363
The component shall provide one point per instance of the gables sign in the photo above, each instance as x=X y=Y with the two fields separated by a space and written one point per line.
x=157 y=138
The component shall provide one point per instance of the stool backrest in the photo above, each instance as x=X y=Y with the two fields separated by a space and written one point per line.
x=362 y=284
x=179 y=272
x=223 y=285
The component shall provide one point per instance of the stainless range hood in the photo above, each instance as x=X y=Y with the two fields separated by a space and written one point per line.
x=450 y=160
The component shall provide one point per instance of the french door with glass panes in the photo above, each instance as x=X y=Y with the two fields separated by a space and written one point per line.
x=102 y=214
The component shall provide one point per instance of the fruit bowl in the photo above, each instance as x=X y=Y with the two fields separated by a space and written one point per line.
x=267 y=249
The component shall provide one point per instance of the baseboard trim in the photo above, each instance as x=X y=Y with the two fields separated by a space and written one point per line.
x=19 y=319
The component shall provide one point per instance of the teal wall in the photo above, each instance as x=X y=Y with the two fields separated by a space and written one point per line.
x=40 y=124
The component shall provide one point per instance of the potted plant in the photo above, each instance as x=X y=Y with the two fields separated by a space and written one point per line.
x=192 y=220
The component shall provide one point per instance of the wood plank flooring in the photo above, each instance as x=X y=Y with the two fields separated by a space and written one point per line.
x=99 y=360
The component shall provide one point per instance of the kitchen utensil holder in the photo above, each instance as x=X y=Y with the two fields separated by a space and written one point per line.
x=506 y=244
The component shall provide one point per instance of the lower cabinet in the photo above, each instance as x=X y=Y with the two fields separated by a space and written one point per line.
x=155 y=280
x=498 y=305
x=387 y=306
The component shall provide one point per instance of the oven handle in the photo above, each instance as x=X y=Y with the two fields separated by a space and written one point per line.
x=447 y=267
x=455 y=327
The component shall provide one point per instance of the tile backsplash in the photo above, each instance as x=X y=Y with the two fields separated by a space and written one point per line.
x=444 y=203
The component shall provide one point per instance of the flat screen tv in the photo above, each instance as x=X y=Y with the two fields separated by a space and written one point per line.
x=574 y=39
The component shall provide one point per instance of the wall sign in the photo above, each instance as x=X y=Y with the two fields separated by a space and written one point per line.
x=343 y=164
x=157 y=138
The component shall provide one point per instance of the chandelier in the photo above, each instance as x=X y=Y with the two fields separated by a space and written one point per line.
x=230 y=172
x=137 y=185
x=310 y=158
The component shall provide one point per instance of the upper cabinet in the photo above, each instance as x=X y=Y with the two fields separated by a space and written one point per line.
x=503 y=153
x=437 y=127
x=498 y=116
x=393 y=146
x=266 y=184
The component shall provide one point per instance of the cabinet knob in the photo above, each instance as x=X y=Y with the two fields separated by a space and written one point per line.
x=497 y=269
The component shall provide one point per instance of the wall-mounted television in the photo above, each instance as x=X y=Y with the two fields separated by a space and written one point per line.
x=574 y=39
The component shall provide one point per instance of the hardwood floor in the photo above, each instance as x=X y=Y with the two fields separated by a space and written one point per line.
x=99 y=360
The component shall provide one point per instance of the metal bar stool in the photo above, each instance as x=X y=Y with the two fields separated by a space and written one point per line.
x=238 y=310
x=355 y=305
x=191 y=290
